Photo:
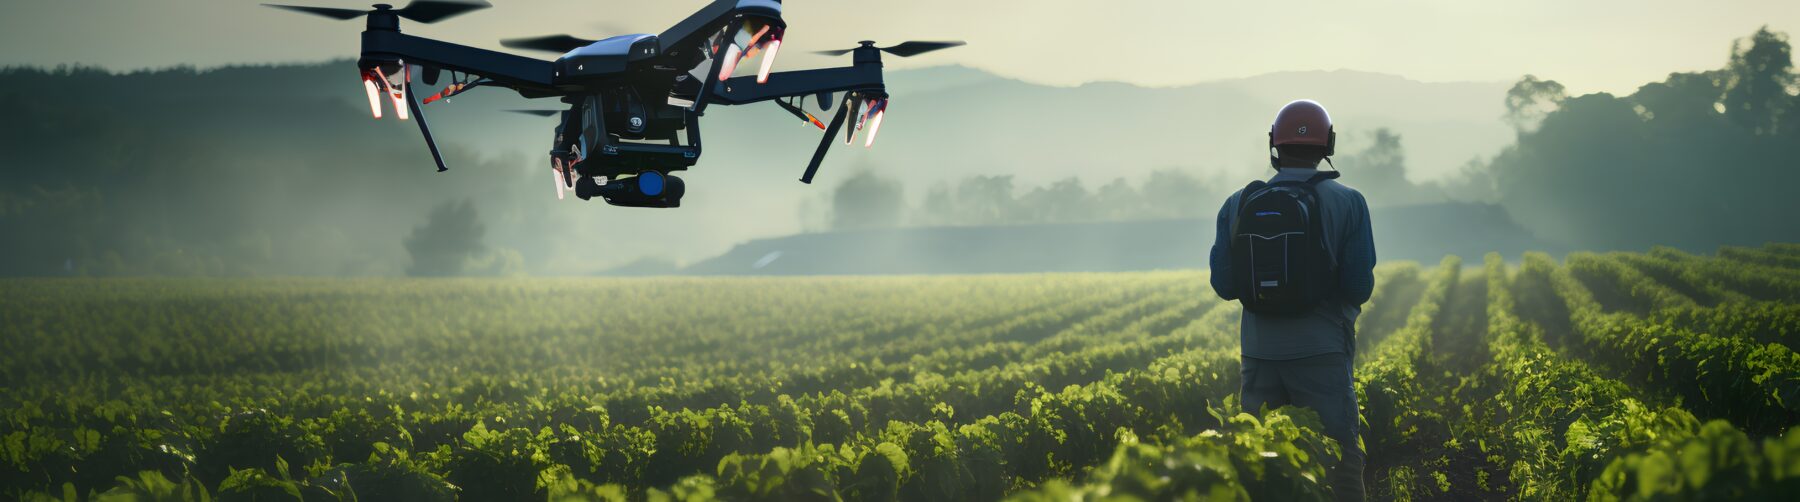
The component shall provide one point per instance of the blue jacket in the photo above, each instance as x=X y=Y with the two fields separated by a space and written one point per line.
x=1330 y=327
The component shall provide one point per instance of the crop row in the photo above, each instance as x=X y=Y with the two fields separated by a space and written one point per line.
x=1754 y=385
x=1571 y=433
x=1007 y=366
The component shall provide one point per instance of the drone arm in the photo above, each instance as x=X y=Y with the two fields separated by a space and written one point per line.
x=689 y=31
x=504 y=69
x=712 y=73
x=745 y=90
x=695 y=29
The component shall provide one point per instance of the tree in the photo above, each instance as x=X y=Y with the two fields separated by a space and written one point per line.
x=1379 y=171
x=1117 y=200
x=1670 y=164
x=449 y=241
x=1760 y=81
x=1063 y=201
x=1530 y=99
x=866 y=200
x=1172 y=193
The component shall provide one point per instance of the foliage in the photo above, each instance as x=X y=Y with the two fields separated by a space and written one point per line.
x=1620 y=376
x=1692 y=161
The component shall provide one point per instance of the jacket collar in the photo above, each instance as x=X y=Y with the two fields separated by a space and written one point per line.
x=1293 y=173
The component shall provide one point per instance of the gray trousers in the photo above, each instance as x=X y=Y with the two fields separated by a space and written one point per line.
x=1323 y=383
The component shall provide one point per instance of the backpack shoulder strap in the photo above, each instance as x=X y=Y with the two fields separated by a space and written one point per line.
x=1250 y=189
x=1244 y=198
x=1318 y=222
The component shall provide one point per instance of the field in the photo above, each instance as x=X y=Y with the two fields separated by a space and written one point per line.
x=1662 y=375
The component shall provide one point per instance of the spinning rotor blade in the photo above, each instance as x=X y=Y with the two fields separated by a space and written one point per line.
x=338 y=14
x=540 y=113
x=547 y=43
x=909 y=49
x=431 y=11
x=903 y=49
x=424 y=11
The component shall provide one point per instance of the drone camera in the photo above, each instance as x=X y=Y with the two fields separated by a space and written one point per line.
x=647 y=189
x=619 y=159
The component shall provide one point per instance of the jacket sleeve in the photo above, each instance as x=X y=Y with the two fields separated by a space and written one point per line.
x=1220 y=261
x=1357 y=273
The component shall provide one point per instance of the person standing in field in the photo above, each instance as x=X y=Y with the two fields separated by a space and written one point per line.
x=1298 y=252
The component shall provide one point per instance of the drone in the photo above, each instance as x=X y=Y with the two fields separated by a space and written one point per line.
x=634 y=101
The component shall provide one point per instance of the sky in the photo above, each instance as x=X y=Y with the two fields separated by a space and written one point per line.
x=1590 y=46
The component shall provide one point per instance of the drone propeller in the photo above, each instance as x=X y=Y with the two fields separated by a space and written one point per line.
x=540 y=113
x=424 y=11
x=903 y=49
x=548 y=43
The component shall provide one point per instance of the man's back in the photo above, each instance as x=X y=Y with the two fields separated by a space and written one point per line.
x=1309 y=360
x=1349 y=240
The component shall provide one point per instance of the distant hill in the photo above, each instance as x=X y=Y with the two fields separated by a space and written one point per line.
x=279 y=169
x=1102 y=130
x=1419 y=233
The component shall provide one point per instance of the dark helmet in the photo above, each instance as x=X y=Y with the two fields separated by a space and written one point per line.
x=1303 y=122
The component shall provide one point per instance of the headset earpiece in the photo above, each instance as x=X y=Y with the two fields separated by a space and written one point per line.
x=1274 y=160
x=1330 y=142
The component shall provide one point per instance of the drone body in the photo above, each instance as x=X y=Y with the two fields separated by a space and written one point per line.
x=634 y=101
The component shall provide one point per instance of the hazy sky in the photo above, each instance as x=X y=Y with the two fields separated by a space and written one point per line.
x=1604 y=45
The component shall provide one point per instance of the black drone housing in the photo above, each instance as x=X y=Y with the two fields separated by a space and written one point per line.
x=634 y=101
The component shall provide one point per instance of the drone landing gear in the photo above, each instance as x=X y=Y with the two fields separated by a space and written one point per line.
x=647 y=189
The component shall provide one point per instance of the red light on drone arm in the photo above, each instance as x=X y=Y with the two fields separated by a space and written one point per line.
x=731 y=61
x=399 y=105
x=875 y=126
x=556 y=175
x=449 y=90
x=395 y=92
x=374 y=96
x=758 y=36
x=768 y=61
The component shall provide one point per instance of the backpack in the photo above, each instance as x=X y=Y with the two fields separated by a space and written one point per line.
x=1279 y=263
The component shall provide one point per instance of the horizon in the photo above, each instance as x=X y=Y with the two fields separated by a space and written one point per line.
x=985 y=71
x=1589 y=55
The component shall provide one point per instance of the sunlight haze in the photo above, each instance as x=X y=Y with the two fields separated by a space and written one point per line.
x=1590 y=46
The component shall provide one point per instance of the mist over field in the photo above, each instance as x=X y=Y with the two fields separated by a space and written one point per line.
x=277 y=170
x=226 y=282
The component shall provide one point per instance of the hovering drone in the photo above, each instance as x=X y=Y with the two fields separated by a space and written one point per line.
x=631 y=98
